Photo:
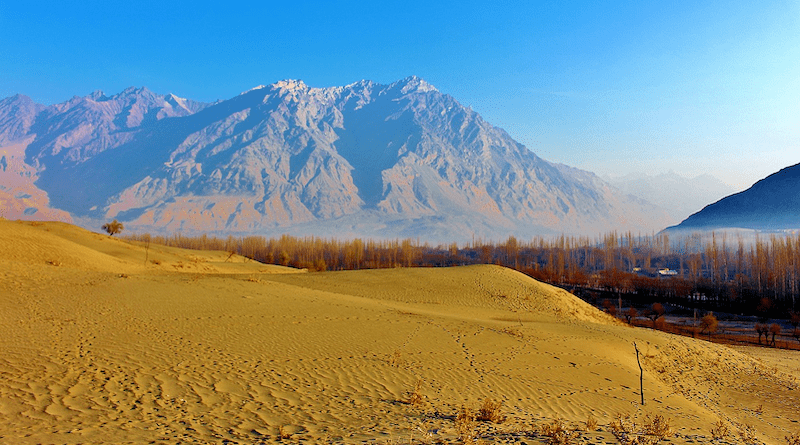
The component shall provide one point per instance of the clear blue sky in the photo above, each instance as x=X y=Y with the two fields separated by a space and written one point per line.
x=611 y=87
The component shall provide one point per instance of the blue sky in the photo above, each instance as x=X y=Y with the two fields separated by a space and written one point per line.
x=612 y=87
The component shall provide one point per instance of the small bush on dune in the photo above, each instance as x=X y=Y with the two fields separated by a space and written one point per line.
x=415 y=397
x=621 y=426
x=113 y=227
x=748 y=434
x=283 y=433
x=654 y=430
x=558 y=433
x=720 y=430
x=465 y=425
x=396 y=359
x=793 y=439
x=657 y=427
x=490 y=411
x=591 y=423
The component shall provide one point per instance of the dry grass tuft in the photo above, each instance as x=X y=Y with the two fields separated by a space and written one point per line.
x=396 y=359
x=512 y=332
x=793 y=439
x=657 y=427
x=253 y=279
x=415 y=397
x=465 y=425
x=720 y=430
x=591 y=423
x=490 y=411
x=558 y=433
x=426 y=433
x=622 y=425
x=748 y=434
x=283 y=433
x=53 y=262
x=654 y=430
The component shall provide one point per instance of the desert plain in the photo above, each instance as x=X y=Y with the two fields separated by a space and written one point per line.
x=107 y=340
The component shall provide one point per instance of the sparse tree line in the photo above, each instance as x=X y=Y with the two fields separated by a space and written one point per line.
x=755 y=277
x=708 y=325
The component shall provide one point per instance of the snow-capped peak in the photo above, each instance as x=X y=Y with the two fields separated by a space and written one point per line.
x=291 y=85
x=259 y=87
x=415 y=83
x=174 y=100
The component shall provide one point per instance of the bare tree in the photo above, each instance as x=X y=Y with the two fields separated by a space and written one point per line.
x=794 y=319
x=655 y=312
x=762 y=329
x=764 y=306
x=774 y=329
x=610 y=307
x=630 y=314
x=146 y=240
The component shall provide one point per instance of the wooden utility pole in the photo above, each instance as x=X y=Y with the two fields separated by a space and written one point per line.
x=641 y=373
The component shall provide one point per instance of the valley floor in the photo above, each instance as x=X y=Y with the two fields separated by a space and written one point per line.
x=106 y=341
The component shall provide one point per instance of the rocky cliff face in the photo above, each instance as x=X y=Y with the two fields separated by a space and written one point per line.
x=394 y=160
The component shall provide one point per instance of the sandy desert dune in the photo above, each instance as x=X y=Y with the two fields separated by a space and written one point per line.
x=100 y=346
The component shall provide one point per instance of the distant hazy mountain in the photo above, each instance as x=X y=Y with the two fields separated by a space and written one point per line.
x=35 y=138
x=398 y=160
x=679 y=195
x=771 y=204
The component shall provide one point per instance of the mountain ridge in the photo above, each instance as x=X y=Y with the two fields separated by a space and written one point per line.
x=404 y=157
x=772 y=203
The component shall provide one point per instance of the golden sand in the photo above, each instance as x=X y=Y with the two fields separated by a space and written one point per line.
x=104 y=341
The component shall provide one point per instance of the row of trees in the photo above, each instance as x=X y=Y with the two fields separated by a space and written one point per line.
x=708 y=324
x=716 y=272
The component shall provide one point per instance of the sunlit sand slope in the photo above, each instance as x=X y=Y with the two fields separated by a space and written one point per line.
x=36 y=244
x=99 y=346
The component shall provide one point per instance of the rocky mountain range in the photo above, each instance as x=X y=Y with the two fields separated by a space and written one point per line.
x=386 y=161
x=771 y=204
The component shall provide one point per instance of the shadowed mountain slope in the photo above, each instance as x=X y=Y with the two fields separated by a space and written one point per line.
x=772 y=203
